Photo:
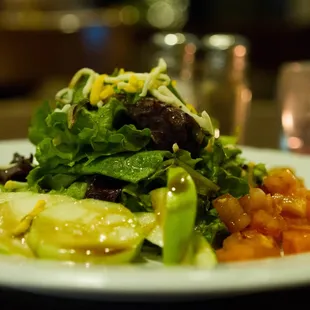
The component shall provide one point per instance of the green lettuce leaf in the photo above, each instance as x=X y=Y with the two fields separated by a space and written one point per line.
x=86 y=134
x=136 y=198
x=76 y=190
x=78 y=96
x=56 y=181
x=212 y=228
x=228 y=140
x=38 y=129
x=259 y=172
x=237 y=186
x=127 y=167
x=186 y=158
x=223 y=166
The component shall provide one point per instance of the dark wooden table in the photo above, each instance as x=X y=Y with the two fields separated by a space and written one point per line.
x=11 y=300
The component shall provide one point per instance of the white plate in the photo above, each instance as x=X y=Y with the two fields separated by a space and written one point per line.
x=154 y=282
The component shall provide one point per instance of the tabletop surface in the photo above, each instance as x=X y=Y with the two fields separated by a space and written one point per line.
x=11 y=299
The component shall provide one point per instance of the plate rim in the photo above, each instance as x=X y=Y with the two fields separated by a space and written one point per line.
x=233 y=278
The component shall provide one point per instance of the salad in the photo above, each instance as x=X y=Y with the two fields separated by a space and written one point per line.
x=126 y=171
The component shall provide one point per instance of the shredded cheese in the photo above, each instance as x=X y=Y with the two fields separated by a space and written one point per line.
x=175 y=147
x=64 y=109
x=96 y=89
x=162 y=67
x=65 y=95
x=125 y=77
x=107 y=92
x=25 y=223
x=100 y=87
x=92 y=75
x=166 y=95
x=191 y=108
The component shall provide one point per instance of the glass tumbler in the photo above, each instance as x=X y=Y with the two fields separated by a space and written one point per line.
x=225 y=91
x=179 y=51
x=293 y=94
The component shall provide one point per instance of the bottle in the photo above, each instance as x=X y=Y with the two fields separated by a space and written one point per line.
x=224 y=90
x=179 y=51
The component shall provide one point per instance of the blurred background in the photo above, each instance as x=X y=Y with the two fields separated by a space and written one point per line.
x=226 y=55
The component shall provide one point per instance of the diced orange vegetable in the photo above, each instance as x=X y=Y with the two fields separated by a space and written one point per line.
x=264 y=189
x=247 y=246
x=231 y=213
x=278 y=212
x=308 y=207
x=232 y=240
x=301 y=183
x=268 y=224
x=291 y=205
x=256 y=200
x=282 y=181
x=244 y=252
x=259 y=238
x=239 y=252
x=294 y=222
x=296 y=241
x=300 y=227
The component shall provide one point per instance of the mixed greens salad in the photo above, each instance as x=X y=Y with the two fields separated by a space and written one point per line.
x=129 y=141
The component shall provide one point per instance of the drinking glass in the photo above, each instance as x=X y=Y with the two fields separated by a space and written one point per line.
x=179 y=51
x=225 y=91
x=293 y=93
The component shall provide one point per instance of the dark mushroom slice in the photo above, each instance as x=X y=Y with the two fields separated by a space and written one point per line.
x=168 y=125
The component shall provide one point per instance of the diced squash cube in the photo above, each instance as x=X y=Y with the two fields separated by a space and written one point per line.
x=256 y=200
x=268 y=224
x=299 y=227
x=292 y=206
x=282 y=181
x=308 y=207
x=296 y=241
x=249 y=245
x=295 y=222
x=231 y=213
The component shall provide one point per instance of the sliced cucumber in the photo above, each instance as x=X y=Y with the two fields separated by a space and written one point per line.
x=86 y=231
x=12 y=246
x=204 y=254
x=147 y=221
x=14 y=207
x=159 y=199
x=179 y=216
x=22 y=203
x=152 y=230
x=156 y=236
